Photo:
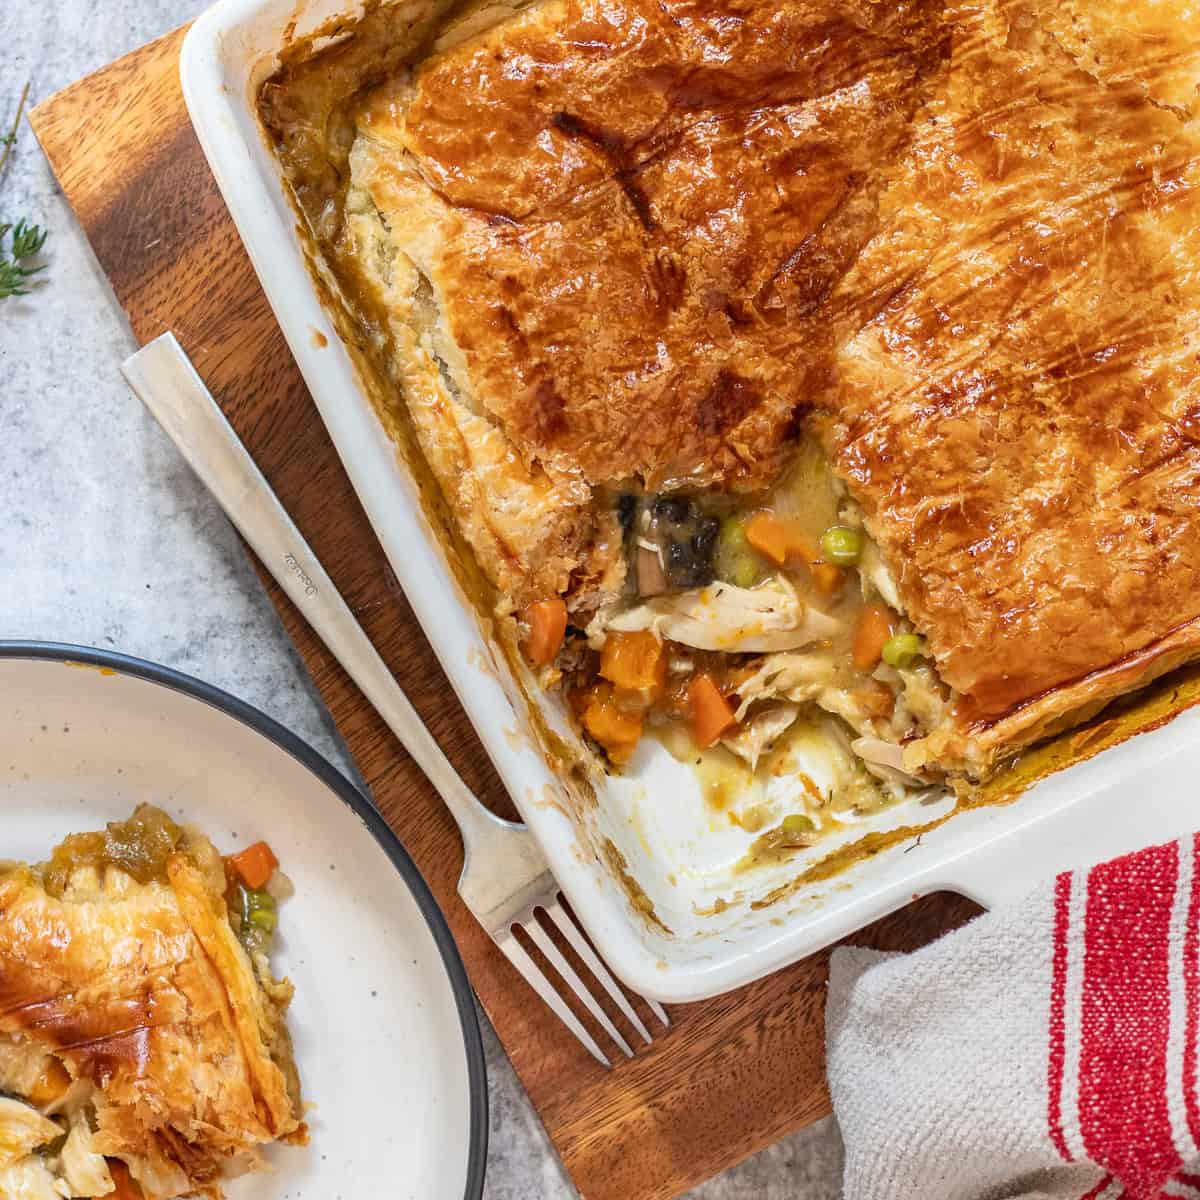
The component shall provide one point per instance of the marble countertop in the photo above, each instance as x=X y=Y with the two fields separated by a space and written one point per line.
x=110 y=541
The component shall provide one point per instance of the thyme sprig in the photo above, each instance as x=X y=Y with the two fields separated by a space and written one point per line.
x=9 y=139
x=26 y=239
x=25 y=242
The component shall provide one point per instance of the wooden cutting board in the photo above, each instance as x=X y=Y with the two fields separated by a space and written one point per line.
x=735 y=1073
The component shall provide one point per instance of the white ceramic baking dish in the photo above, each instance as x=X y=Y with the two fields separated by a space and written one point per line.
x=679 y=853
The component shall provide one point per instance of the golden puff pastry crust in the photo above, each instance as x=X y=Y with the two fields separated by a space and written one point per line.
x=616 y=209
x=1015 y=398
x=659 y=241
x=589 y=227
x=143 y=992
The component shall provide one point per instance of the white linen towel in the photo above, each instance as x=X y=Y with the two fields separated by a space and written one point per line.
x=1047 y=1049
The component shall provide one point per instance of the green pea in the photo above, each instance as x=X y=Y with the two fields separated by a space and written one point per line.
x=259 y=919
x=841 y=545
x=258 y=898
x=798 y=823
x=903 y=649
x=733 y=535
x=745 y=573
x=265 y=918
x=737 y=561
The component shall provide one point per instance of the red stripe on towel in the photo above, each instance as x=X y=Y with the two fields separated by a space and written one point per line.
x=1191 y=993
x=1058 y=1027
x=1125 y=1019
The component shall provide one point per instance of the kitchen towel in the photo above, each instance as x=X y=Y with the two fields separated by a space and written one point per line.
x=1047 y=1049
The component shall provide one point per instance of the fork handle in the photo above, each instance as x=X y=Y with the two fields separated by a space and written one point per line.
x=163 y=377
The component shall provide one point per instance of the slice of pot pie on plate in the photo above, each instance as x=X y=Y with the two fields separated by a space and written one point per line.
x=143 y=1047
x=791 y=361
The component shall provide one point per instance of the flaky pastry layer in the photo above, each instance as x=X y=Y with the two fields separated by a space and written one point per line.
x=143 y=992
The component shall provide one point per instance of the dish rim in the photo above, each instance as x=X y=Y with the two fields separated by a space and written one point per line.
x=360 y=804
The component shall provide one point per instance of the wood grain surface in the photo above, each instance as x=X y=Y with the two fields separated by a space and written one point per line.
x=735 y=1073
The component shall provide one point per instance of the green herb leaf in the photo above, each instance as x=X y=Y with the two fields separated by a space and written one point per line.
x=13 y=278
x=27 y=239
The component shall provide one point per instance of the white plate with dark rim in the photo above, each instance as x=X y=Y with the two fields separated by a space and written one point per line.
x=387 y=1039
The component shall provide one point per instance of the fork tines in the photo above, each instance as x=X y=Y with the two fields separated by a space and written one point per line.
x=528 y=922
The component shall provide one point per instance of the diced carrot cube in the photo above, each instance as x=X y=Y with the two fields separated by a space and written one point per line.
x=779 y=539
x=635 y=661
x=547 y=621
x=710 y=713
x=876 y=624
x=827 y=577
x=255 y=865
x=617 y=729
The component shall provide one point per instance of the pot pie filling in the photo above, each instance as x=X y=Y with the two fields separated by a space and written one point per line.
x=790 y=362
x=144 y=1053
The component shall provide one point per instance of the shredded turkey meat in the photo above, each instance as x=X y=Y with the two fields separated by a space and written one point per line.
x=731 y=619
x=758 y=735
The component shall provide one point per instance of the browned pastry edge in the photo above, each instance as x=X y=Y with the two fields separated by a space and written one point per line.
x=976 y=744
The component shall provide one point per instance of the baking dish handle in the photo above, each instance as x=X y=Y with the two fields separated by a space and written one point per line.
x=1151 y=799
x=993 y=879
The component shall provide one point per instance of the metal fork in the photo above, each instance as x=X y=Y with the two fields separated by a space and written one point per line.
x=505 y=878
